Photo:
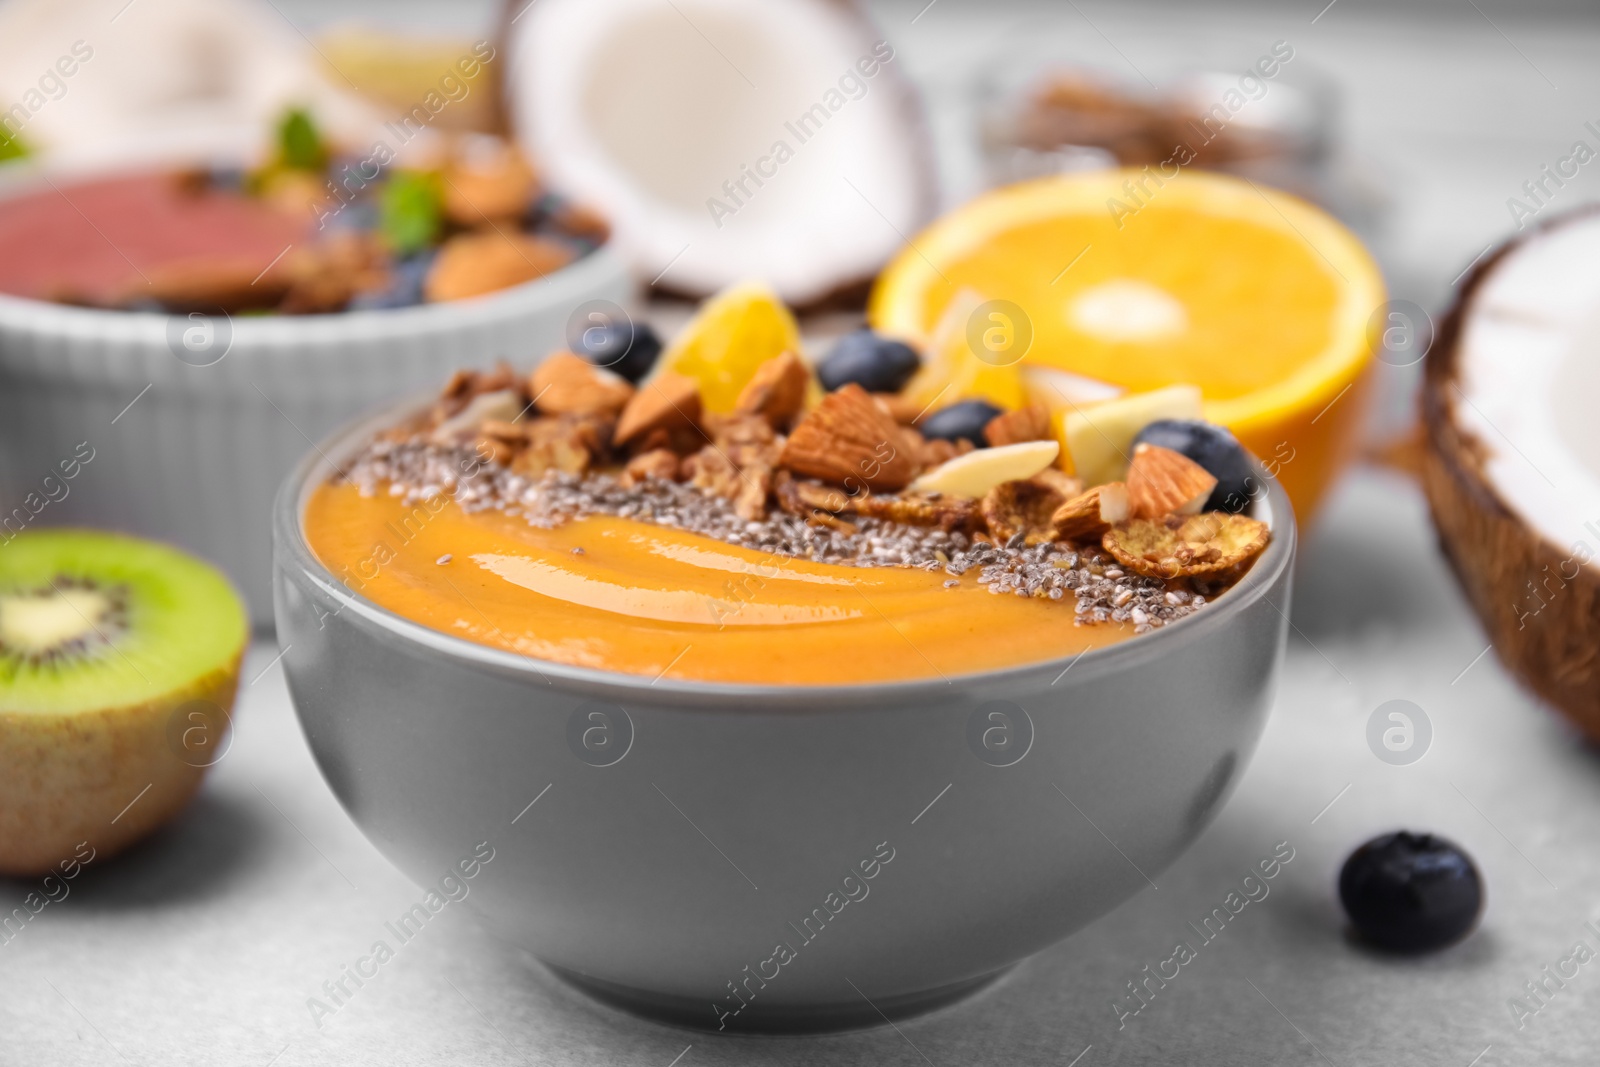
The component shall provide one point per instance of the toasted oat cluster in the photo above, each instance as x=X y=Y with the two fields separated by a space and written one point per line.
x=845 y=479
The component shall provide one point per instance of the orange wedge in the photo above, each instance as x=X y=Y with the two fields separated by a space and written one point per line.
x=1136 y=282
x=728 y=339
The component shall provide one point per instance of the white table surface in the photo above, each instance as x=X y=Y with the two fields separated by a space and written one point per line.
x=203 y=946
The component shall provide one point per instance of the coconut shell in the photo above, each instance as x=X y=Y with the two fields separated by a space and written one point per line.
x=1555 y=651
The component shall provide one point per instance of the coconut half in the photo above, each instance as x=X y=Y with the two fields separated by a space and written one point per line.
x=725 y=140
x=1512 y=466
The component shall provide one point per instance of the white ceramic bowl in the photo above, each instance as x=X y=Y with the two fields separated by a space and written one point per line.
x=190 y=449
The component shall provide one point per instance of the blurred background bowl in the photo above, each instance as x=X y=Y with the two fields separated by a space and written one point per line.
x=190 y=440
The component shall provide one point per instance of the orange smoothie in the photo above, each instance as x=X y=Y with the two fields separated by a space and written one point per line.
x=663 y=603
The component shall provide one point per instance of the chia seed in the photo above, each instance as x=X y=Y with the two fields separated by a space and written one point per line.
x=1102 y=592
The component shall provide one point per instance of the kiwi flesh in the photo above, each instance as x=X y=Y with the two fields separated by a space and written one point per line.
x=119 y=662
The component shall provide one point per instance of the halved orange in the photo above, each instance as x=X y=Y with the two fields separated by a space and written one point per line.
x=1258 y=298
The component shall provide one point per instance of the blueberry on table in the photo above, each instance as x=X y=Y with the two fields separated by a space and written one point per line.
x=961 y=420
x=1410 y=892
x=626 y=348
x=1215 y=449
x=878 y=364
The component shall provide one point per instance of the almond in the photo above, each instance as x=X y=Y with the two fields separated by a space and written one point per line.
x=849 y=440
x=666 y=402
x=472 y=264
x=494 y=185
x=565 y=384
x=1090 y=514
x=1031 y=423
x=1164 y=482
x=659 y=463
x=777 y=392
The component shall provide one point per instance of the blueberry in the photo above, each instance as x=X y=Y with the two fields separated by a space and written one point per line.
x=626 y=348
x=359 y=215
x=1215 y=449
x=962 y=420
x=226 y=178
x=877 y=364
x=405 y=285
x=1410 y=892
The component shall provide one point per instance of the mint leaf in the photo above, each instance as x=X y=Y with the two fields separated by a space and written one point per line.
x=11 y=146
x=300 y=144
x=409 y=212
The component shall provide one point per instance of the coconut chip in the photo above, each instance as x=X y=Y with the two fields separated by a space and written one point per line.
x=1184 y=546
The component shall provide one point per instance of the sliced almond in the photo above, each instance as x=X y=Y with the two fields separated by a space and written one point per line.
x=1164 y=482
x=565 y=384
x=1090 y=514
x=777 y=392
x=1031 y=423
x=974 y=474
x=1181 y=547
x=847 y=439
x=666 y=402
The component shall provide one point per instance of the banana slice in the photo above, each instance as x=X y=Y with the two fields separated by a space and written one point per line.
x=1100 y=438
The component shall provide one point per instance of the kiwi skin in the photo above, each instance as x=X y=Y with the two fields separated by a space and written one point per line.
x=81 y=767
x=65 y=778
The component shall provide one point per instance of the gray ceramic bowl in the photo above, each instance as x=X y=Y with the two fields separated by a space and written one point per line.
x=751 y=857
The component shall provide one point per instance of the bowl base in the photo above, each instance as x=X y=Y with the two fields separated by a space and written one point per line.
x=756 y=1018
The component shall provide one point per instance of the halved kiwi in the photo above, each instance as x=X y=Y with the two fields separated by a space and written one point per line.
x=119 y=659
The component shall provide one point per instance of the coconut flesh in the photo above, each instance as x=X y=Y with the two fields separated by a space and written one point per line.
x=1529 y=372
x=1513 y=468
x=724 y=140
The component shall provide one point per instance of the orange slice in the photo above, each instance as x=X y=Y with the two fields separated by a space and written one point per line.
x=728 y=339
x=953 y=371
x=1256 y=297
